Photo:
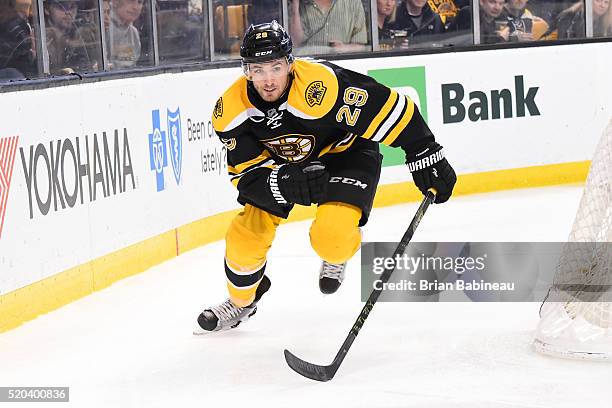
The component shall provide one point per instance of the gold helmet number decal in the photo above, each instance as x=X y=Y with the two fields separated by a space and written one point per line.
x=314 y=93
x=293 y=148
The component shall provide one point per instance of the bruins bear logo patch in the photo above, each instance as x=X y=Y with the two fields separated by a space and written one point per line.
x=293 y=147
x=218 y=112
x=315 y=93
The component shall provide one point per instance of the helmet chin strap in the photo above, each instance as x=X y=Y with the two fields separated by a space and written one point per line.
x=289 y=80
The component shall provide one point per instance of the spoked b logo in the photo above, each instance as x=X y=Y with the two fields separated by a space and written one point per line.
x=166 y=144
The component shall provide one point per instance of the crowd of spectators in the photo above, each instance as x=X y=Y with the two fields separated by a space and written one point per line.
x=500 y=20
x=516 y=20
x=73 y=36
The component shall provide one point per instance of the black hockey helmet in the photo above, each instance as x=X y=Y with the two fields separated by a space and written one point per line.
x=266 y=42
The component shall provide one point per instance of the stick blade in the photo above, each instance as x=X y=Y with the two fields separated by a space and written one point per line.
x=309 y=370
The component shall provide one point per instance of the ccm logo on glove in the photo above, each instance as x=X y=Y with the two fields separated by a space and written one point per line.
x=347 y=180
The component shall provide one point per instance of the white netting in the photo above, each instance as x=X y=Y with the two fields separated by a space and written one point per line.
x=576 y=319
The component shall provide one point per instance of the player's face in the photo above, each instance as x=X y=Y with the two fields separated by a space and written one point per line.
x=270 y=79
x=492 y=8
x=600 y=7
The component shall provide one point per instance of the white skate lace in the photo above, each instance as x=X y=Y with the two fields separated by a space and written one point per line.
x=226 y=311
x=333 y=271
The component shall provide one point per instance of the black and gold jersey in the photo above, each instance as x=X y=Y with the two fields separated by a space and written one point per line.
x=326 y=110
x=445 y=8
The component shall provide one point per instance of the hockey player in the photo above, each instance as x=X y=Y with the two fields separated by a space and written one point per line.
x=305 y=132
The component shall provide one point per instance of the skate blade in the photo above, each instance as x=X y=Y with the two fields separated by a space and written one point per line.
x=201 y=332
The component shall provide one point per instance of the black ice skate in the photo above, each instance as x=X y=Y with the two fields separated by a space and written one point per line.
x=331 y=276
x=226 y=315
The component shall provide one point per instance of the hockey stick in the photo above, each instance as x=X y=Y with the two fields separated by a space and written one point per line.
x=326 y=373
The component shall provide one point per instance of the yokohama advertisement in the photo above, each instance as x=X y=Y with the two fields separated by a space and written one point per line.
x=128 y=161
x=88 y=169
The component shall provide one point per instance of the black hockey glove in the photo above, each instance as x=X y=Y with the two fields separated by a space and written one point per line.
x=303 y=184
x=430 y=169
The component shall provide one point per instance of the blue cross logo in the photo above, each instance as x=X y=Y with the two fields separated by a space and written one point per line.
x=158 y=155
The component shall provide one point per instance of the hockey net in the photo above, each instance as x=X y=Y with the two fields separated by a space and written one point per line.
x=576 y=317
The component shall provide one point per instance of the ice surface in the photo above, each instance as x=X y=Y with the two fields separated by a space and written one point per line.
x=130 y=345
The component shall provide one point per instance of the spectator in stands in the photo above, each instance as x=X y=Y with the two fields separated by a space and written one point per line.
x=264 y=11
x=17 y=47
x=570 y=22
x=602 y=18
x=88 y=12
x=418 y=19
x=524 y=26
x=24 y=9
x=446 y=9
x=386 y=16
x=67 y=52
x=493 y=27
x=328 y=26
x=106 y=13
x=549 y=9
x=463 y=19
x=125 y=47
x=89 y=33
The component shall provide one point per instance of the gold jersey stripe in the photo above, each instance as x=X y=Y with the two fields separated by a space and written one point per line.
x=381 y=116
x=408 y=112
x=242 y=167
x=268 y=165
x=339 y=146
